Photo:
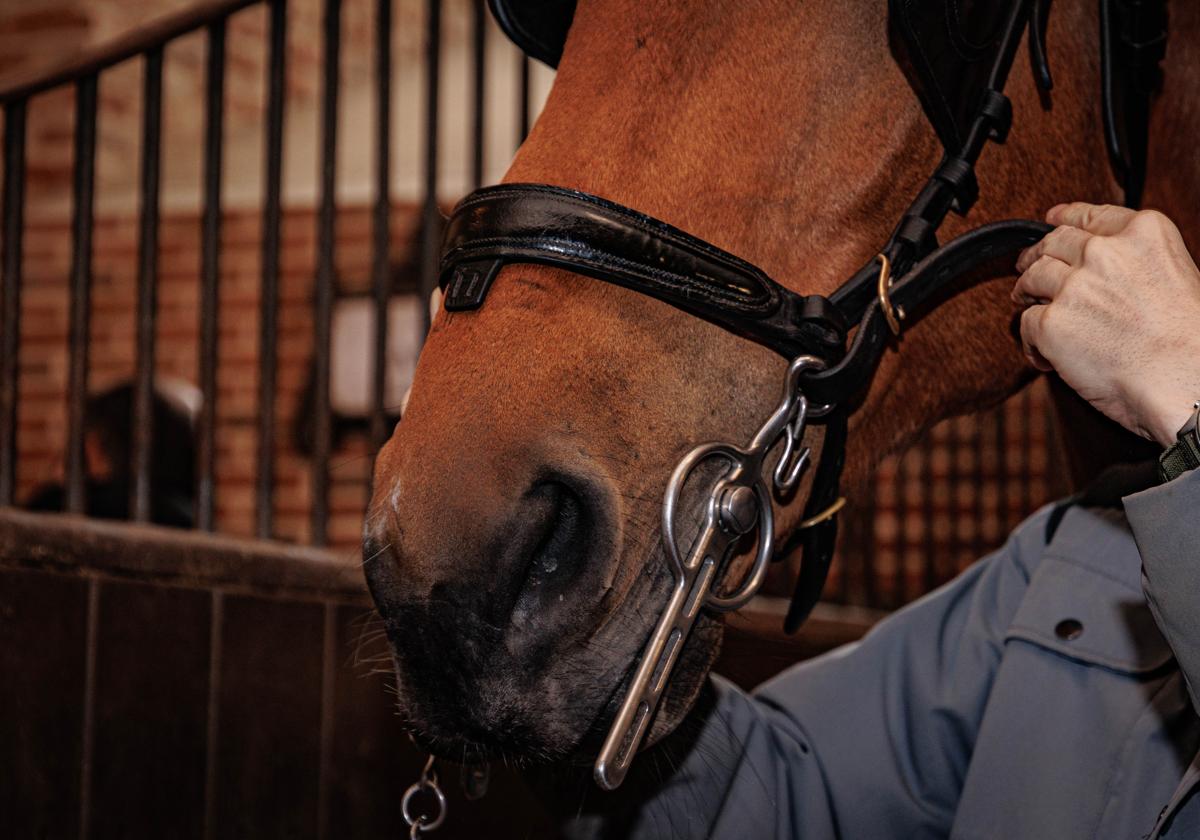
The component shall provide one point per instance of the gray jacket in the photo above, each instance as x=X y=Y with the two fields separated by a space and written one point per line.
x=982 y=710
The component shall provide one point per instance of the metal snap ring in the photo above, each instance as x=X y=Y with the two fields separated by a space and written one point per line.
x=795 y=455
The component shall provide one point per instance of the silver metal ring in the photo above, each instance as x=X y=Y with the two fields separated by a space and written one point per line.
x=423 y=822
x=678 y=478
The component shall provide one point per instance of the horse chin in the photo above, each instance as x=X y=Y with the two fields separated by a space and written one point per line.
x=544 y=718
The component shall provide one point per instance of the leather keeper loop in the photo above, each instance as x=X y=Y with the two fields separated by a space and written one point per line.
x=919 y=234
x=997 y=110
x=959 y=175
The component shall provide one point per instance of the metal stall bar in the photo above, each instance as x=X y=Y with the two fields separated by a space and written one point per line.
x=269 y=295
x=147 y=286
x=381 y=218
x=430 y=215
x=74 y=66
x=523 y=97
x=83 y=194
x=478 y=90
x=323 y=282
x=210 y=272
x=10 y=296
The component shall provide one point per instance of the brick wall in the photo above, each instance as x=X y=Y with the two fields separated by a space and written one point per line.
x=43 y=365
x=952 y=497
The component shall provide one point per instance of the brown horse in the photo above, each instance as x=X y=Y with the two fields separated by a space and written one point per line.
x=513 y=542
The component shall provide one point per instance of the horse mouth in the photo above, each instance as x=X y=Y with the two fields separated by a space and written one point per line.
x=478 y=726
x=483 y=723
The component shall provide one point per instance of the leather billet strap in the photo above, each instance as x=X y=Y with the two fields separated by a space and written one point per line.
x=585 y=234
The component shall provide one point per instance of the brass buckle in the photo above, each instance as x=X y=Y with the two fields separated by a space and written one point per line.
x=893 y=314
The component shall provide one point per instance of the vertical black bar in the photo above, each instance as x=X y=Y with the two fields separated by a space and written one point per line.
x=147 y=281
x=430 y=216
x=478 y=63
x=10 y=297
x=210 y=273
x=79 y=334
x=523 y=97
x=323 y=283
x=381 y=221
x=267 y=349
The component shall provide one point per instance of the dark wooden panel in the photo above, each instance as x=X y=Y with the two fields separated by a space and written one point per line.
x=151 y=711
x=372 y=759
x=269 y=718
x=42 y=643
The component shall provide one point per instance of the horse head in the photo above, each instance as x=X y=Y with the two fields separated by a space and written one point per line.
x=513 y=543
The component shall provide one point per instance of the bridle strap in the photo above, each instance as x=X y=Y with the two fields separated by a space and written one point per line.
x=585 y=234
x=926 y=282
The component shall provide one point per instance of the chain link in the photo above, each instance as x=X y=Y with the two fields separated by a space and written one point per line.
x=424 y=822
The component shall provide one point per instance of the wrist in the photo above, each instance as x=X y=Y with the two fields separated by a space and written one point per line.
x=1163 y=422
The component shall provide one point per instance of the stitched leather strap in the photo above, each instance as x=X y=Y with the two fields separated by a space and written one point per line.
x=537 y=223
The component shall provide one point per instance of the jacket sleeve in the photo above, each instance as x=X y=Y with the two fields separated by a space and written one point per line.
x=1166 y=525
x=872 y=740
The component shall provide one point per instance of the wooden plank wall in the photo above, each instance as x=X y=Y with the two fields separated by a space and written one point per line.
x=167 y=684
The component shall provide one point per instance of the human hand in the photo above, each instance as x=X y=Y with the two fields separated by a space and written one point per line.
x=1113 y=303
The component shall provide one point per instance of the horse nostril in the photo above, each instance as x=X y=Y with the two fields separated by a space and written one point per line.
x=559 y=521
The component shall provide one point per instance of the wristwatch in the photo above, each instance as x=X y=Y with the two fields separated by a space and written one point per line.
x=1184 y=454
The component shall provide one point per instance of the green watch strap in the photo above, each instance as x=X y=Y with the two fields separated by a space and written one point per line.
x=1184 y=454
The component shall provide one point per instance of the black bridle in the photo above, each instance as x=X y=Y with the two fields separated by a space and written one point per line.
x=585 y=234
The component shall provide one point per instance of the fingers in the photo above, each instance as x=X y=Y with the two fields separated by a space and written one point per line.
x=1098 y=219
x=1042 y=282
x=1032 y=329
x=1064 y=243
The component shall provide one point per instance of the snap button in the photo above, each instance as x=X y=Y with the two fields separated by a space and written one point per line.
x=1069 y=629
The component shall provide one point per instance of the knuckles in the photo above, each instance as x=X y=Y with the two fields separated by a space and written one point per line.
x=1150 y=225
